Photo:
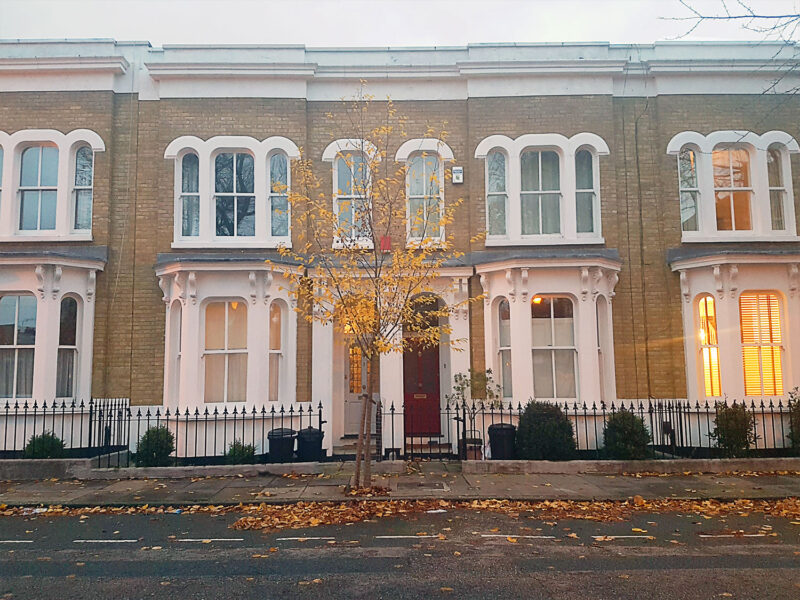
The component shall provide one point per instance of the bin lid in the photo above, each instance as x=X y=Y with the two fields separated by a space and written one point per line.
x=310 y=432
x=281 y=432
x=502 y=426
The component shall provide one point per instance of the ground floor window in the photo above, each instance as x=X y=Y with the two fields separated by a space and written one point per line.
x=554 y=350
x=709 y=345
x=760 y=320
x=225 y=355
x=275 y=349
x=67 y=349
x=504 y=346
x=17 y=341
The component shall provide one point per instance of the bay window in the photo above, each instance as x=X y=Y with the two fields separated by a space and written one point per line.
x=225 y=356
x=38 y=188
x=275 y=349
x=17 y=342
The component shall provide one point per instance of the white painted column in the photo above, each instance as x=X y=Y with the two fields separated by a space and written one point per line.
x=391 y=390
x=192 y=372
x=791 y=354
x=731 y=369
x=46 y=345
x=586 y=341
x=86 y=348
x=322 y=376
x=258 y=354
x=521 y=342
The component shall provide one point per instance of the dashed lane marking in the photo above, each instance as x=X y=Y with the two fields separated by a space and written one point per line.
x=522 y=537
x=731 y=535
x=209 y=540
x=16 y=541
x=609 y=538
x=303 y=539
x=404 y=537
x=104 y=541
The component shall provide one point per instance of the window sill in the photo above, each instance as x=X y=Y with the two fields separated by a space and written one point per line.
x=47 y=237
x=353 y=245
x=747 y=237
x=219 y=243
x=545 y=241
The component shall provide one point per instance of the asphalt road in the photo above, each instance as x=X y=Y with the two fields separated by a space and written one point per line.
x=459 y=554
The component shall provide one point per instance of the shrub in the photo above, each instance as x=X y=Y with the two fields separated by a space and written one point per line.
x=44 y=445
x=545 y=433
x=626 y=436
x=156 y=445
x=794 y=418
x=240 y=453
x=734 y=430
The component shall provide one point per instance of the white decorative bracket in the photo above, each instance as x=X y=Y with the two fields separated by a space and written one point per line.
x=180 y=284
x=613 y=280
x=597 y=277
x=267 y=286
x=525 y=290
x=91 y=285
x=39 y=272
x=512 y=291
x=56 y=287
x=165 y=282
x=191 y=286
x=685 y=285
x=733 y=271
x=584 y=283
x=718 y=281
x=794 y=279
x=485 y=286
x=251 y=278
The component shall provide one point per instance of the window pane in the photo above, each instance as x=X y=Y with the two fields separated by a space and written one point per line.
x=584 y=176
x=776 y=209
x=711 y=371
x=741 y=211
x=543 y=374
x=48 y=209
x=504 y=317
x=275 y=327
x=225 y=215
x=565 y=373
x=29 y=211
x=530 y=214
x=190 y=174
x=497 y=172
x=687 y=169
x=551 y=213
x=49 y=166
x=344 y=175
x=345 y=218
x=65 y=373
x=360 y=175
x=278 y=176
x=190 y=217
x=724 y=214
x=223 y=173
x=68 y=323
x=774 y=165
x=721 y=161
x=497 y=214
x=708 y=321
x=689 y=211
x=416 y=176
x=29 y=176
x=585 y=211
x=244 y=173
x=7 y=357
x=416 y=217
x=215 y=377
x=541 y=322
x=280 y=215
x=215 y=326
x=529 y=162
x=274 y=376
x=245 y=215
x=361 y=216
x=562 y=322
x=550 y=173
x=505 y=373
x=740 y=164
x=433 y=220
x=431 y=176
x=83 y=209
x=237 y=325
x=24 y=372
x=26 y=321
x=83 y=166
x=237 y=377
x=8 y=310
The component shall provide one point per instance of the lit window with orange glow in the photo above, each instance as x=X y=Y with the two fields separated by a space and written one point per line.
x=709 y=348
x=760 y=320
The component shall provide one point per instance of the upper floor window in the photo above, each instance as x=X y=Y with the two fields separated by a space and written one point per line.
x=733 y=185
x=82 y=191
x=17 y=343
x=554 y=349
x=542 y=188
x=424 y=197
x=760 y=320
x=38 y=186
x=351 y=197
x=232 y=191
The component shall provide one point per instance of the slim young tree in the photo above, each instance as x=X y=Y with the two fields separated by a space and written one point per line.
x=371 y=251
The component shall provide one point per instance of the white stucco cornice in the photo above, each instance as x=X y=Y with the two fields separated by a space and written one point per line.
x=712 y=260
x=337 y=147
x=548 y=263
x=234 y=142
x=160 y=70
x=72 y=64
x=707 y=143
x=530 y=140
x=428 y=145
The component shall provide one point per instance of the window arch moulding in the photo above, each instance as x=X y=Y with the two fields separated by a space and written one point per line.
x=67 y=145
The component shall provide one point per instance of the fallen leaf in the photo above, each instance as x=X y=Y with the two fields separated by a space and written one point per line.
x=513 y=540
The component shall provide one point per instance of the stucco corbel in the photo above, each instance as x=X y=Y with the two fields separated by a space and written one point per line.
x=251 y=278
x=191 y=286
x=613 y=279
x=165 y=282
x=524 y=280
x=584 y=283
x=794 y=279
x=684 y=285
x=267 y=286
x=733 y=271
x=56 y=287
x=91 y=285
x=512 y=291
x=718 y=286
x=485 y=286
x=39 y=272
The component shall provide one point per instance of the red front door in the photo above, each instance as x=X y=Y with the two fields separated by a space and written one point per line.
x=421 y=391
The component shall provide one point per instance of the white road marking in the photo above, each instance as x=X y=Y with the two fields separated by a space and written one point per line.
x=404 y=537
x=525 y=537
x=207 y=540
x=731 y=535
x=104 y=541
x=623 y=537
x=16 y=541
x=297 y=539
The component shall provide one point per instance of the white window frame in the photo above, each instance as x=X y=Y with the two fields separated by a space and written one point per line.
x=81 y=188
x=566 y=148
x=781 y=346
x=280 y=305
x=75 y=349
x=16 y=347
x=553 y=348
x=703 y=345
x=353 y=199
x=731 y=189
x=423 y=197
x=233 y=195
x=784 y=166
x=501 y=349
x=503 y=194
x=760 y=207
x=540 y=193
x=272 y=195
x=67 y=144
x=226 y=352
x=595 y=190
x=206 y=153
x=180 y=194
x=39 y=187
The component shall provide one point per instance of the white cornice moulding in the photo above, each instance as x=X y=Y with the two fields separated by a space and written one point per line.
x=159 y=71
x=115 y=64
x=712 y=260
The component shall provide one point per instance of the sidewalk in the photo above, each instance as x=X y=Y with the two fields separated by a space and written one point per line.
x=434 y=480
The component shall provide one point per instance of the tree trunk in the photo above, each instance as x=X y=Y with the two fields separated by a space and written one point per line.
x=360 y=443
x=368 y=437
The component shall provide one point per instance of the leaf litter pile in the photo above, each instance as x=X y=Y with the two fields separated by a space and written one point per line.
x=273 y=517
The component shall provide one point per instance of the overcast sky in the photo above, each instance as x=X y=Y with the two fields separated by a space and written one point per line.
x=370 y=22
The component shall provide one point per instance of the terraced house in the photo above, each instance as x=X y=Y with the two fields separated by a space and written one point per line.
x=637 y=202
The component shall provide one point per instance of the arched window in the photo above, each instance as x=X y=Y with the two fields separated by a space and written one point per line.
x=424 y=196
x=190 y=195
x=777 y=187
x=504 y=346
x=352 y=197
x=496 y=194
x=38 y=188
x=709 y=346
x=275 y=349
x=586 y=193
x=732 y=188
x=279 y=194
x=17 y=342
x=225 y=355
x=762 y=339
x=554 y=350
x=540 y=192
x=82 y=192
x=233 y=189
x=689 y=188
x=67 y=349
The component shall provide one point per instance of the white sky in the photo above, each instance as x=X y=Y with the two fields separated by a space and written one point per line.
x=370 y=22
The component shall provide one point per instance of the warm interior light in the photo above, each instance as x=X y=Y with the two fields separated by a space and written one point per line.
x=234 y=305
x=537 y=299
x=702 y=336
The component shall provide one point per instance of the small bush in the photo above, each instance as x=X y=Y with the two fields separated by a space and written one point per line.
x=44 y=445
x=794 y=418
x=545 y=433
x=734 y=430
x=156 y=445
x=240 y=453
x=626 y=437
